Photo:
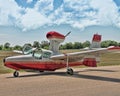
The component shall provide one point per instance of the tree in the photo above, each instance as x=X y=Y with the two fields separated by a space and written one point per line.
x=108 y=43
x=113 y=43
x=45 y=44
x=69 y=45
x=36 y=44
x=104 y=44
x=17 y=47
x=119 y=44
x=77 y=45
x=86 y=44
x=7 y=45
x=62 y=47
x=1 y=47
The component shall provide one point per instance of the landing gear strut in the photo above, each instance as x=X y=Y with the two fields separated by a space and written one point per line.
x=69 y=70
x=16 y=74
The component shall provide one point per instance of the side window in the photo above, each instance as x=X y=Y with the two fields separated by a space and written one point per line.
x=37 y=54
x=46 y=55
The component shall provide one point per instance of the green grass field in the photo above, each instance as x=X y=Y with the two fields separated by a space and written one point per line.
x=4 y=54
x=107 y=59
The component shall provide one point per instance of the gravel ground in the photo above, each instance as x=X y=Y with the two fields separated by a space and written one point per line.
x=100 y=81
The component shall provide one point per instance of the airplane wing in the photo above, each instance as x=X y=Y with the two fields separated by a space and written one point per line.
x=26 y=50
x=79 y=54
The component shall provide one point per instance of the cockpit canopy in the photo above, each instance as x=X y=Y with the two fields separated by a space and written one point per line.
x=42 y=54
x=37 y=53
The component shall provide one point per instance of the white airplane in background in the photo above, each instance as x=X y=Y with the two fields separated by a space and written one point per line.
x=51 y=60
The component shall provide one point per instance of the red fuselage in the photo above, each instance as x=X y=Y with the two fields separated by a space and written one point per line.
x=29 y=62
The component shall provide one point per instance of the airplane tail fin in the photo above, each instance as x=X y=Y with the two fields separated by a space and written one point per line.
x=92 y=60
x=96 y=41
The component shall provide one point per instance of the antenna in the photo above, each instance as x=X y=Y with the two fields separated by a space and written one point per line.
x=67 y=34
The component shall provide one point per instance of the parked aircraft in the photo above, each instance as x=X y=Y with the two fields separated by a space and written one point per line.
x=51 y=60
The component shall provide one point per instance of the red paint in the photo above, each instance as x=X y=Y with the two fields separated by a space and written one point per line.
x=96 y=38
x=36 y=65
x=54 y=34
x=91 y=62
x=114 y=48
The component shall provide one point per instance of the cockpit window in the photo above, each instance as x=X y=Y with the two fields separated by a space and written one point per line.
x=27 y=49
x=46 y=54
x=40 y=54
x=37 y=54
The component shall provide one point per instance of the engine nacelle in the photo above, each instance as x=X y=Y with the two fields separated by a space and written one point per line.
x=53 y=35
x=55 y=40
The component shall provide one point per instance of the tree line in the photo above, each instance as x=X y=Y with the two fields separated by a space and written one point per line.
x=69 y=45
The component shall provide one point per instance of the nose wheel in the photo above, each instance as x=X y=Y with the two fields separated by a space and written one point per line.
x=16 y=74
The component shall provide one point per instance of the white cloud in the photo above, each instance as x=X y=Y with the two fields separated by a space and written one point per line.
x=107 y=11
x=9 y=10
x=44 y=6
x=76 y=13
x=33 y=19
x=29 y=1
x=93 y=12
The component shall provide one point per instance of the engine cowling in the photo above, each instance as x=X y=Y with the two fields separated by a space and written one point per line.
x=53 y=35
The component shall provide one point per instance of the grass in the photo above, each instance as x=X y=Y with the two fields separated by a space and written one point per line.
x=4 y=54
x=110 y=59
x=107 y=59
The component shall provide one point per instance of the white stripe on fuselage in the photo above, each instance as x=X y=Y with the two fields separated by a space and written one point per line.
x=20 y=58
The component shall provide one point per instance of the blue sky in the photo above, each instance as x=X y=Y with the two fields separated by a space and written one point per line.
x=26 y=21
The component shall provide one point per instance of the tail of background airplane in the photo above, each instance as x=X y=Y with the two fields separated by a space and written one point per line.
x=96 y=41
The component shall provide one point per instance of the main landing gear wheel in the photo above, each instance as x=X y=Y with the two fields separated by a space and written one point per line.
x=16 y=74
x=70 y=71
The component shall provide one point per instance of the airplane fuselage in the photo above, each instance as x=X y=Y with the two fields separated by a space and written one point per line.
x=29 y=62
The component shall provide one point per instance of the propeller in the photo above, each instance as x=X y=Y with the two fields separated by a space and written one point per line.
x=68 y=34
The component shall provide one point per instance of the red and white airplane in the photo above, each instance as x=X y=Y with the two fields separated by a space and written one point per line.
x=51 y=60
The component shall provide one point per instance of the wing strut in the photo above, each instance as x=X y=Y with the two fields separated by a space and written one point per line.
x=69 y=70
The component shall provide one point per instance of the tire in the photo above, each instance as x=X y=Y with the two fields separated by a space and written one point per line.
x=16 y=74
x=70 y=71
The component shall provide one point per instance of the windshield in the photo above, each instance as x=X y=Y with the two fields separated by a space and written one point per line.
x=40 y=54
x=27 y=49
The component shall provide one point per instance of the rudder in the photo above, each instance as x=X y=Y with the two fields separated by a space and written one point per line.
x=96 y=41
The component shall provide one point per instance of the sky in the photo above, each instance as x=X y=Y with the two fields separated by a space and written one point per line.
x=26 y=21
